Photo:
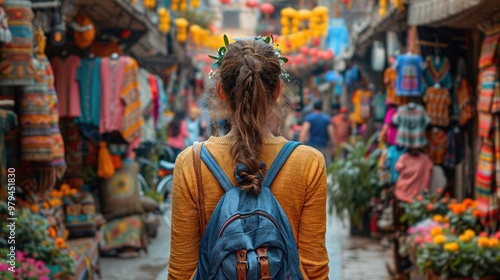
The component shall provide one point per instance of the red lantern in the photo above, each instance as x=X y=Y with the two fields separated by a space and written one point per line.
x=304 y=50
x=316 y=42
x=329 y=54
x=252 y=4
x=346 y=1
x=314 y=60
x=225 y=2
x=267 y=8
x=314 y=52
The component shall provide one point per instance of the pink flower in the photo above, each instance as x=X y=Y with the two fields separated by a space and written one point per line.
x=39 y=266
x=20 y=256
x=428 y=239
x=31 y=261
x=4 y=267
x=483 y=234
x=31 y=274
x=497 y=235
x=43 y=278
x=411 y=230
x=418 y=239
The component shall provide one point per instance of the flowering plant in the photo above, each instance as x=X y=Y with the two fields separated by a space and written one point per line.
x=424 y=206
x=26 y=268
x=464 y=215
x=466 y=255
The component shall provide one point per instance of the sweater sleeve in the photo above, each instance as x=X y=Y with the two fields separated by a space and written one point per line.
x=312 y=225
x=185 y=236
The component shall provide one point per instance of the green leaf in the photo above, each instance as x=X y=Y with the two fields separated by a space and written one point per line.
x=213 y=57
x=284 y=59
x=267 y=40
x=226 y=40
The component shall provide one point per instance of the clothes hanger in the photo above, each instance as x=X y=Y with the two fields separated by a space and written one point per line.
x=412 y=105
x=115 y=56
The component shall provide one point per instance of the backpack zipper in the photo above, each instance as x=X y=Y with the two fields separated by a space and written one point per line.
x=245 y=216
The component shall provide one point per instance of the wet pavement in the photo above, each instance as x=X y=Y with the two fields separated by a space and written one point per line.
x=351 y=258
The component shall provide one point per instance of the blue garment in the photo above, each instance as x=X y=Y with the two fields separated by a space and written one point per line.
x=380 y=108
x=194 y=130
x=337 y=38
x=393 y=154
x=334 y=77
x=89 y=79
x=160 y=124
x=318 y=132
x=244 y=221
x=409 y=80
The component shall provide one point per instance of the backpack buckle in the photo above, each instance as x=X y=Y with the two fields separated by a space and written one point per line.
x=242 y=262
x=262 y=258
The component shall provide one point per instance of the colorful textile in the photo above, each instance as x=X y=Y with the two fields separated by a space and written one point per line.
x=66 y=83
x=393 y=155
x=156 y=98
x=490 y=51
x=112 y=75
x=75 y=151
x=495 y=106
x=414 y=176
x=485 y=124
x=409 y=80
x=485 y=177
x=80 y=215
x=35 y=119
x=390 y=77
x=148 y=127
x=487 y=79
x=437 y=105
x=89 y=79
x=392 y=130
x=8 y=121
x=122 y=233
x=438 y=145
x=379 y=105
x=362 y=103
x=163 y=104
x=465 y=94
x=5 y=34
x=496 y=137
x=86 y=256
x=131 y=129
x=16 y=57
x=411 y=120
x=437 y=71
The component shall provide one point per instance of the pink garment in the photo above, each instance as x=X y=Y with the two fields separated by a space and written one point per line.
x=392 y=130
x=66 y=84
x=155 y=96
x=112 y=75
x=414 y=176
x=177 y=142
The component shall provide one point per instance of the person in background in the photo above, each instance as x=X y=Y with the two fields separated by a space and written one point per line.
x=195 y=126
x=318 y=131
x=177 y=133
x=341 y=127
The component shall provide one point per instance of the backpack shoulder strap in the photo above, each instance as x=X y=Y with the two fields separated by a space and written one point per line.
x=278 y=162
x=197 y=146
x=214 y=167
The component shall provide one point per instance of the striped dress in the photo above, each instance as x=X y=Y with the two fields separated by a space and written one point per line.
x=131 y=128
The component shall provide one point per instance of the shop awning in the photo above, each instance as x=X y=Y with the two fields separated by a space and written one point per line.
x=463 y=14
x=364 y=33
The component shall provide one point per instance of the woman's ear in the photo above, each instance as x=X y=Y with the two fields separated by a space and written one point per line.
x=220 y=93
x=278 y=89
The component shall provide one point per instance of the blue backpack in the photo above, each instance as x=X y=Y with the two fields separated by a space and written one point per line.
x=249 y=236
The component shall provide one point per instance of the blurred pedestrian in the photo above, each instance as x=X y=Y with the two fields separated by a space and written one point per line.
x=195 y=126
x=317 y=131
x=341 y=127
x=177 y=133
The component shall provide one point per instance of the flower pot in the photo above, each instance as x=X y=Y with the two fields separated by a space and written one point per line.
x=364 y=229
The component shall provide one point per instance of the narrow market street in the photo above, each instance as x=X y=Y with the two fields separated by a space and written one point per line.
x=351 y=258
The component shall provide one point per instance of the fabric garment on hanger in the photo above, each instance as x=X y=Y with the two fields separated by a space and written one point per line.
x=390 y=77
x=362 y=103
x=89 y=79
x=438 y=145
x=409 y=79
x=148 y=127
x=379 y=107
x=414 y=176
x=487 y=79
x=465 y=95
x=112 y=75
x=8 y=121
x=412 y=121
x=66 y=83
x=437 y=71
x=17 y=69
x=393 y=155
x=489 y=51
x=486 y=198
x=392 y=130
x=437 y=105
x=456 y=151
x=131 y=128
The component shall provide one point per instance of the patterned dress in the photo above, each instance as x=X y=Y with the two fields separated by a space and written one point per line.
x=412 y=121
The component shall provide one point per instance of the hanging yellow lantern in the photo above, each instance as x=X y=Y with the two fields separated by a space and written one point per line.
x=398 y=3
x=285 y=31
x=164 y=20
x=150 y=4
x=175 y=5
x=285 y=22
x=383 y=8
x=183 y=6
x=195 y=4
x=304 y=14
x=181 y=25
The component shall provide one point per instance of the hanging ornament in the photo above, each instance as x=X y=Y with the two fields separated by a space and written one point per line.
x=183 y=6
x=267 y=9
x=150 y=4
x=57 y=31
x=84 y=31
x=225 y=2
x=164 y=20
x=195 y=4
x=125 y=33
x=383 y=8
x=181 y=25
x=175 y=6
x=252 y=4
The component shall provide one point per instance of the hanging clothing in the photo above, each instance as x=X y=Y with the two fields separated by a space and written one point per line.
x=35 y=118
x=414 y=176
x=8 y=121
x=485 y=123
x=391 y=129
x=456 y=151
x=131 y=129
x=489 y=51
x=362 y=106
x=66 y=83
x=194 y=130
x=341 y=128
x=465 y=95
x=437 y=105
x=485 y=196
x=409 y=80
x=163 y=104
x=390 y=78
x=411 y=120
x=437 y=71
x=16 y=57
x=393 y=155
x=148 y=127
x=89 y=79
x=5 y=34
x=487 y=79
x=112 y=76
x=438 y=179
x=380 y=108
x=438 y=145
x=156 y=98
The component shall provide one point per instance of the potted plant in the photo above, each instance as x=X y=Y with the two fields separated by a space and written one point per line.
x=424 y=206
x=353 y=181
x=449 y=256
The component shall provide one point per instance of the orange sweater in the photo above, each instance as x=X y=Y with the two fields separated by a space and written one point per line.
x=300 y=188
